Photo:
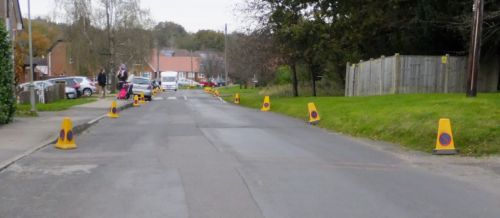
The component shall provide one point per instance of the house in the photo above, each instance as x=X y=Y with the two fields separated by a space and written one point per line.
x=11 y=13
x=41 y=69
x=59 y=60
x=188 y=67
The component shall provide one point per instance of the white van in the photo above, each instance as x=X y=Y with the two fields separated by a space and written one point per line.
x=169 y=80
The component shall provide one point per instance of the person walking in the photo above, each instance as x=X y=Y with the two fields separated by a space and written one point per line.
x=101 y=80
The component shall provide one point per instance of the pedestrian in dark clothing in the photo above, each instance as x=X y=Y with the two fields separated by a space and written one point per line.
x=101 y=80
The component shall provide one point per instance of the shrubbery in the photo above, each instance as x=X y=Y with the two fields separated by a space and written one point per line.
x=7 y=98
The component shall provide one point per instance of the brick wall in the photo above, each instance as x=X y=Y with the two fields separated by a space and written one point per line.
x=60 y=61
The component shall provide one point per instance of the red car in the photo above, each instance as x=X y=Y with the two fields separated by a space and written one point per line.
x=207 y=84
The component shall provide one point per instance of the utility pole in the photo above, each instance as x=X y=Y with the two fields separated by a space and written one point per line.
x=191 y=54
x=32 y=85
x=475 y=48
x=225 y=54
x=157 y=60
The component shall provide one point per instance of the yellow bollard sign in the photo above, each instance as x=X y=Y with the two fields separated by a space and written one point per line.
x=216 y=93
x=113 y=111
x=136 y=101
x=66 y=138
x=313 y=114
x=444 y=141
x=266 y=106
x=141 y=99
x=237 y=98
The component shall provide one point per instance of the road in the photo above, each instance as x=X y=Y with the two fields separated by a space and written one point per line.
x=191 y=155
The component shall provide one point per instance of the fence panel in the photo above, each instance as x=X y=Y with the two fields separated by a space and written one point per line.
x=406 y=74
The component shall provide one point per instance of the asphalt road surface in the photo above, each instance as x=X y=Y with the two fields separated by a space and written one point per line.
x=188 y=154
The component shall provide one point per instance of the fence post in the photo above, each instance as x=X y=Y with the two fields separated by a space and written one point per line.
x=353 y=69
x=397 y=74
x=359 y=82
x=370 y=84
x=381 y=77
x=446 y=73
x=347 y=79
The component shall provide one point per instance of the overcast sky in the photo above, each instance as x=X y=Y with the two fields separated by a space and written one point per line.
x=192 y=14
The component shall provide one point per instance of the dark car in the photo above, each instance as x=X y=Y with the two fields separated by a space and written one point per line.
x=70 y=82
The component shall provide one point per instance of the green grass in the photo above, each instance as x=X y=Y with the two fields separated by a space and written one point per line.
x=410 y=120
x=24 y=109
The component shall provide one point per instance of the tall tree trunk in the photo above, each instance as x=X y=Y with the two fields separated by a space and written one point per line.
x=295 y=81
x=313 y=80
x=111 y=75
x=498 y=85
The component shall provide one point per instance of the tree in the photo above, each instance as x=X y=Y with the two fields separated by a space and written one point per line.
x=97 y=42
x=168 y=33
x=7 y=99
x=253 y=54
x=212 y=64
x=44 y=34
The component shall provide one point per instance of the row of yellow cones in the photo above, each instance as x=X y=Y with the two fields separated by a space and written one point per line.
x=444 y=142
x=66 y=139
x=212 y=91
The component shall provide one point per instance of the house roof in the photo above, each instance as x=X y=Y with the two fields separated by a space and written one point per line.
x=19 y=15
x=54 y=45
x=36 y=61
x=179 y=64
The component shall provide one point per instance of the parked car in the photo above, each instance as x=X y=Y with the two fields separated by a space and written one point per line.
x=72 y=87
x=187 y=82
x=142 y=85
x=207 y=84
x=219 y=82
x=87 y=87
x=39 y=85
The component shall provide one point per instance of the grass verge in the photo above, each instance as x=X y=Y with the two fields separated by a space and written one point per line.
x=24 y=109
x=410 y=120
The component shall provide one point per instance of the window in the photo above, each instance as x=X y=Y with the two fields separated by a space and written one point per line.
x=140 y=81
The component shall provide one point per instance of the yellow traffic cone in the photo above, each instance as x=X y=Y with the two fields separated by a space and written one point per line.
x=313 y=114
x=141 y=99
x=66 y=138
x=444 y=141
x=113 y=111
x=136 y=101
x=266 y=106
x=237 y=98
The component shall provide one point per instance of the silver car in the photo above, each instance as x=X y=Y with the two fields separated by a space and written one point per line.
x=86 y=85
x=142 y=85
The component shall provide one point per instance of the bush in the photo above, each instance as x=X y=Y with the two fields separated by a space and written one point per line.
x=283 y=75
x=7 y=98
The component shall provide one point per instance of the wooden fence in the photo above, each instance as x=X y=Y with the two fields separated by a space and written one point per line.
x=406 y=74
x=47 y=95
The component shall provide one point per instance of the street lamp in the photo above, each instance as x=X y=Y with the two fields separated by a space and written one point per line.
x=32 y=85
